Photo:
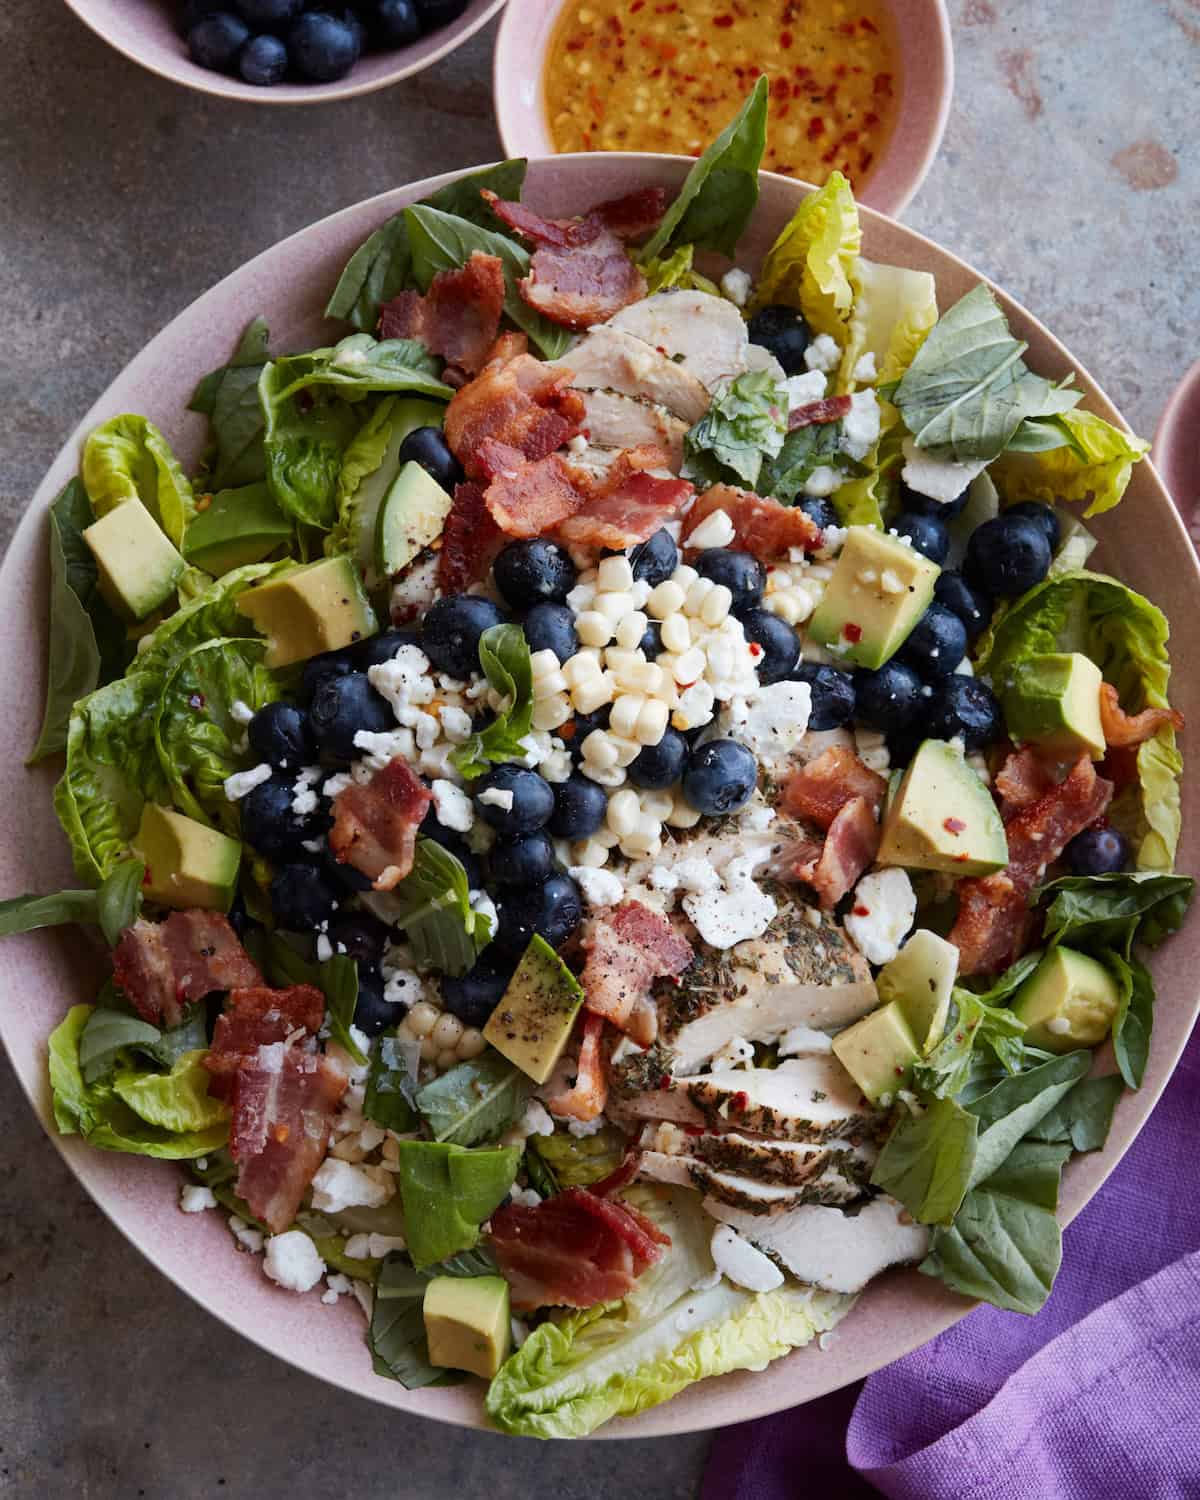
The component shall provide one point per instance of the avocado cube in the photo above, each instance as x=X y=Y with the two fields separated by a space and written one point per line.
x=467 y=1323
x=920 y=979
x=138 y=567
x=878 y=1052
x=943 y=817
x=237 y=527
x=537 y=1011
x=879 y=590
x=412 y=515
x=187 y=864
x=1054 y=701
x=316 y=608
x=1068 y=1001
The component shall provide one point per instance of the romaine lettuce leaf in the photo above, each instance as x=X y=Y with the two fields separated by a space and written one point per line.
x=229 y=398
x=177 y=1101
x=676 y=270
x=127 y=458
x=1093 y=462
x=212 y=613
x=744 y=428
x=891 y=316
x=812 y=263
x=304 y=443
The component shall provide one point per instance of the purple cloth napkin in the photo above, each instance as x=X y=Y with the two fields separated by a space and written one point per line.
x=1098 y=1396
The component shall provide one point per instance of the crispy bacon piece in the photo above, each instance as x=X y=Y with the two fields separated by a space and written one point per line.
x=831 y=409
x=619 y=1177
x=629 y=218
x=627 y=949
x=515 y=400
x=573 y=1250
x=1021 y=780
x=509 y=346
x=819 y=790
x=527 y=499
x=284 y=1100
x=375 y=824
x=994 y=920
x=625 y=505
x=256 y=1018
x=458 y=317
x=636 y=214
x=850 y=847
x=760 y=525
x=1121 y=730
x=471 y=540
x=588 y=1095
x=162 y=966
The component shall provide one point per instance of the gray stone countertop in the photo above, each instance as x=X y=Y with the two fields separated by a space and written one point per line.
x=1069 y=174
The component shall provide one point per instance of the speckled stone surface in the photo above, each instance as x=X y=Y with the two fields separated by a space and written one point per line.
x=1070 y=174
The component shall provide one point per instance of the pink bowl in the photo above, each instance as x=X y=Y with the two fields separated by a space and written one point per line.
x=1177 y=449
x=42 y=974
x=144 y=31
x=926 y=73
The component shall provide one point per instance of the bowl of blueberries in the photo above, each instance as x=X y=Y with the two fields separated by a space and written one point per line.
x=285 y=51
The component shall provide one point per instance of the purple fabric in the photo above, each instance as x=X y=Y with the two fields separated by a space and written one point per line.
x=1098 y=1396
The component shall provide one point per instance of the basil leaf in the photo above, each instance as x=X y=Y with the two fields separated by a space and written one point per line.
x=1083 y=1116
x=975 y=1022
x=928 y=1159
x=1134 y=1019
x=808 y=448
x=361 y=365
x=285 y=965
x=434 y=908
x=229 y=398
x=475 y=1101
x=1007 y=1113
x=745 y=425
x=505 y=658
x=1116 y=910
x=105 y=1034
x=338 y=979
x=720 y=193
x=391 y=1097
x=303 y=446
x=119 y=899
x=396 y=1338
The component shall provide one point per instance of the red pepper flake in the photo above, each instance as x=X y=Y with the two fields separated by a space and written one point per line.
x=755 y=649
x=883 y=84
x=862 y=911
x=816 y=128
x=781 y=88
x=740 y=1100
x=575 y=44
x=954 y=826
x=786 y=39
x=846 y=28
x=868 y=25
x=852 y=632
x=636 y=6
x=724 y=22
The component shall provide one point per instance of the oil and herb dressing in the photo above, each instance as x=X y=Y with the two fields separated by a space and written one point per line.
x=660 y=75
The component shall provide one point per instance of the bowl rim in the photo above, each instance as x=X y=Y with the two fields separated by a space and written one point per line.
x=937 y=1314
x=1169 y=432
x=224 y=86
x=522 y=135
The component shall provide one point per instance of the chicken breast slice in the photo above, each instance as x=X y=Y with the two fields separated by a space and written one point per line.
x=831 y=1185
x=706 y=334
x=607 y=359
x=615 y=421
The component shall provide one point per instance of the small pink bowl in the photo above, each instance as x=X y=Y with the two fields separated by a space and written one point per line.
x=1177 y=449
x=926 y=85
x=145 y=32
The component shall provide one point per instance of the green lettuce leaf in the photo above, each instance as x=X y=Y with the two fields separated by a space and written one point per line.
x=392 y=1084
x=113 y=907
x=785 y=473
x=337 y=978
x=476 y=1101
x=177 y=1101
x=361 y=365
x=1083 y=1115
x=720 y=193
x=396 y=1339
x=744 y=427
x=210 y=614
x=229 y=398
x=505 y=658
x=448 y=1191
x=665 y=273
x=107 y=1035
x=433 y=905
x=1115 y=911
x=303 y=443
x=812 y=264
x=127 y=458
x=891 y=316
x=928 y=1159
x=1092 y=461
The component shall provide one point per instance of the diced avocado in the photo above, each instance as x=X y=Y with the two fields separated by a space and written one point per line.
x=412 y=515
x=467 y=1323
x=1068 y=1001
x=1054 y=701
x=533 y=1021
x=316 y=608
x=878 y=1052
x=186 y=863
x=920 y=979
x=236 y=527
x=398 y=416
x=138 y=566
x=943 y=817
x=879 y=590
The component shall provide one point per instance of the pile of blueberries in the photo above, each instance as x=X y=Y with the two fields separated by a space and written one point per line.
x=311 y=41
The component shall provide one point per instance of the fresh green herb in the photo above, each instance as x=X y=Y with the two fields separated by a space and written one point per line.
x=442 y=929
x=106 y=1034
x=976 y=1021
x=396 y=1339
x=447 y=1192
x=475 y=1101
x=539 y=1172
x=127 y=458
x=392 y=1084
x=1008 y=1112
x=303 y=443
x=805 y=450
x=361 y=365
x=928 y=1159
x=744 y=427
x=119 y=900
x=339 y=982
x=505 y=659
x=1134 y=1019
x=1115 y=911
x=1083 y=1115
x=229 y=398
x=113 y=907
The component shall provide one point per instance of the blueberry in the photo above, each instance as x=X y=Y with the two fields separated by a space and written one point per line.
x=322 y=48
x=451 y=630
x=779 y=642
x=527 y=859
x=192 y=12
x=651 y=644
x=303 y=897
x=341 y=706
x=428 y=447
x=575 y=731
x=580 y=807
x=971 y=605
x=263 y=61
x=936 y=643
x=963 y=708
x=925 y=505
x=654 y=560
x=832 y=694
x=720 y=777
x=928 y=535
x=1097 y=851
x=473 y=996
x=656 y=767
x=216 y=41
x=534 y=572
x=397 y=23
x=265 y=14
x=551 y=627
x=1041 y=515
x=372 y=1013
x=377 y=649
x=269 y=823
x=742 y=574
x=343 y=875
x=818 y=509
x=435 y=13
x=784 y=333
x=888 y=699
x=279 y=735
x=532 y=800
x=1007 y=555
x=554 y=910
x=358 y=935
x=319 y=669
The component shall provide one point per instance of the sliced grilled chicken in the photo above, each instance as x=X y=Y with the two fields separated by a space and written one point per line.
x=825 y=1247
x=785 y=1163
x=660 y=1166
x=607 y=359
x=830 y=1185
x=706 y=334
x=615 y=421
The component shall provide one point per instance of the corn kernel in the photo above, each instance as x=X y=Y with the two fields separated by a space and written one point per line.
x=470 y=1044
x=631 y=628
x=593 y=694
x=446 y=1059
x=690 y=666
x=656 y=805
x=548 y=685
x=581 y=667
x=422 y=1018
x=697 y=592
x=682 y=814
x=644 y=677
x=684 y=576
x=542 y=663
x=589 y=853
x=614 y=607
x=627 y=750
x=716 y=605
x=624 y=716
x=599 y=750
x=618 y=657
x=676 y=633
x=552 y=713
x=644 y=840
x=593 y=628
x=607 y=837
x=651 y=722
x=611 y=776
x=666 y=599
x=614 y=575
x=623 y=811
x=716 y=530
x=447 y=1031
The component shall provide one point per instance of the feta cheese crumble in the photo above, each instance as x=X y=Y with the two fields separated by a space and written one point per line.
x=939 y=478
x=497 y=797
x=737 y=286
x=823 y=353
x=883 y=911
x=241 y=783
x=599 y=887
x=194 y=1200
x=453 y=807
x=339 y=1185
x=293 y=1262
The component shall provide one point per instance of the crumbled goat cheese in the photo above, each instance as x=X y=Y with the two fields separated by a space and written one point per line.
x=823 y=481
x=373 y=1246
x=402 y=987
x=247 y=1238
x=758 y=819
x=803 y=390
x=716 y=530
x=695 y=876
x=823 y=353
x=483 y=905
x=497 y=797
x=524 y=1197
x=871 y=747
x=727 y=917
x=770 y=720
x=339 y=1185
x=404 y=681
x=293 y=1262
x=337 y=1286
x=864 y=369
x=939 y=478
x=1059 y=1025
x=534 y=1121
x=882 y=914
x=453 y=807
x=581 y=1129
x=324 y=948
x=194 y=1200
x=337 y=783
x=860 y=426
x=241 y=783
x=737 y=286
x=304 y=796
x=381 y=748
x=742 y=1262
x=241 y=713
x=456 y=724
x=599 y=887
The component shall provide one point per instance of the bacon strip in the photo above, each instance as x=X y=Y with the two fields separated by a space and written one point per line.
x=819 y=790
x=636 y=214
x=255 y=1018
x=629 y=218
x=1123 y=730
x=458 y=317
x=518 y=401
x=471 y=541
x=163 y=966
x=527 y=499
x=375 y=824
x=627 y=949
x=1021 y=780
x=625 y=505
x=830 y=409
x=850 y=847
x=588 y=1095
x=573 y=1250
x=760 y=525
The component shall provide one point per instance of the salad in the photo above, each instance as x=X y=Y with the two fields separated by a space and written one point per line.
x=617 y=806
